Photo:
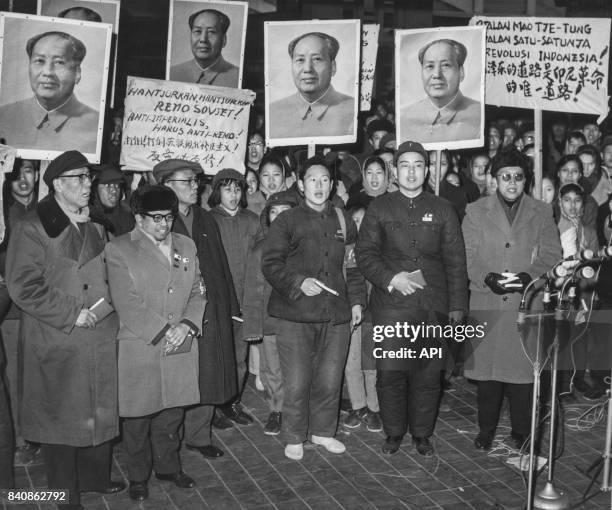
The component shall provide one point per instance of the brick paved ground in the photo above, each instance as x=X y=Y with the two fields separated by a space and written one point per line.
x=254 y=474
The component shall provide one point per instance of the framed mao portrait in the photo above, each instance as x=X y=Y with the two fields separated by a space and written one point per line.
x=53 y=78
x=312 y=81
x=439 y=87
x=206 y=42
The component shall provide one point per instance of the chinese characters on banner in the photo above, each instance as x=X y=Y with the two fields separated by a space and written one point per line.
x=369 y=49
x=558 y=64
x=167 y=120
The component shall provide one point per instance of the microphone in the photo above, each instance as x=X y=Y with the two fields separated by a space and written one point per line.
x=557 y=271
x=582 y=256
x=586 y=272
x=520 y=321
x=604 y=253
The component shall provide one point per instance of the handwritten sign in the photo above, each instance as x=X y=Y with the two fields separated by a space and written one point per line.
x=200 y=123
x=369 y=50
x=7 y=158
x=558 y=64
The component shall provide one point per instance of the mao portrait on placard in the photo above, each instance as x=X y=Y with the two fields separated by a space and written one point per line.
x=312 y=73
x=440 y=87
x=206 y=42
x=53 y=76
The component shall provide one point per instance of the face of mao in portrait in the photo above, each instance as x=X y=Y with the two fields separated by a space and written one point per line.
x=441 y=73
x=53 y=71
x=207 y=39
x=312 y=67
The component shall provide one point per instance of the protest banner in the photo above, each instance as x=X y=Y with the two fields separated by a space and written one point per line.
x=175 y=120
x=369 y=50
x=558 y=64
x=440 y=113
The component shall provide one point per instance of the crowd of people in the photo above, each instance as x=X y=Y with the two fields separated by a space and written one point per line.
x=135 y=306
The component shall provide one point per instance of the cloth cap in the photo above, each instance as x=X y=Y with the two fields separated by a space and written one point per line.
x=107 y=173
x=389 y=137
x=169 y=166
x=410 y=147
x=228 y=173
x=69 y=160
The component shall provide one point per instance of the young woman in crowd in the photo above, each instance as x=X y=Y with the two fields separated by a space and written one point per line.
x=271 y=180
x=238 y=226
x=569 y=169
x=477 y=168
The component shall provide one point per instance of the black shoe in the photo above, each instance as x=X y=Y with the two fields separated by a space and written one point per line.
x=274 y=423
x=138 y=491
x=220 y=422
x=392 y=444
x=345 y=405
x=113 y=488
x=209 y=451
x=237 y=414
x=179 y=479
x=423 y=446
x=519 y=441
x=483 y=442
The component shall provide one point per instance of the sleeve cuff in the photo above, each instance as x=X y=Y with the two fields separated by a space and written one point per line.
x=157 y=338
x=194 y=329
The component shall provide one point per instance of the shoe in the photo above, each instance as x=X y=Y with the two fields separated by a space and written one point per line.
x=392 y=445
x=138 y=491
x=483 y=442
x=345 y=405
x=294 y=451
x=220 y=422
x=273 y=425
x=329 y=443
x=373 y=422
x=237 y=414
x=179 y=479
x=355 y=417
x=113 y=488
x=27 y=454
x=423 y=446
x=209 y=451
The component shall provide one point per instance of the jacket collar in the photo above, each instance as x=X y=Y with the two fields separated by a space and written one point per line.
x=53 y=219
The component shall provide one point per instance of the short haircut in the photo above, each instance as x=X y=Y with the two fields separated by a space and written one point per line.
x=316 y=160
x=479 y=155
x=223 y=19
x=78 y=48
x=331 y=42
x=215 y=196
x=590 y=150
x=271 y=159
x=578 y=135
x=568 y=158
x=458 y=48
x=86 y=12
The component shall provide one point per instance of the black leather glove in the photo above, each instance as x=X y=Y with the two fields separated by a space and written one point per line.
x=492 y=281
x=525 y=280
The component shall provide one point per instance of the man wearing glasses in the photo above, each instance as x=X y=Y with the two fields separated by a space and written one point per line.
x=411 y=249
x=55 y=273
x=106 y=207
x=218 y=378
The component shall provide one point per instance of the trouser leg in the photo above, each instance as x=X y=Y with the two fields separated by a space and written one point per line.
x=61 y=469
x=423 y=397
x=520 y=396
x=10 y=339
x=165 y=440
x=6 y=437
x=270 y=372
x=242 y=351
x=332 y=342
x=94 y=467
x=490 y=395
x=392 y=389
x=137 y=443
x=353 y=373
x=370 y=389
x=198 y=425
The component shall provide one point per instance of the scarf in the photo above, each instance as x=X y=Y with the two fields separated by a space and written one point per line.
x=74 y=217
x=366 y=187
x=572 y=234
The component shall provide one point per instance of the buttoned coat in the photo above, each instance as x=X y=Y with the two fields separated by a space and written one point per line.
x=68 y=384
x=531 y=244
x=150 y=293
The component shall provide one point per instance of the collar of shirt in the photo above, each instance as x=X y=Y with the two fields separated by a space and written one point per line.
x=198 y=72
x=446 y=114
x=56 y=116
x=318 y=107
x=164 y=245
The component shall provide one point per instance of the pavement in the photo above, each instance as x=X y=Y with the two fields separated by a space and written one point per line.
x=254 y=473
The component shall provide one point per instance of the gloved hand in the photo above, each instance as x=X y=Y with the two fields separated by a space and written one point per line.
x=492 y=281
x=525 y=280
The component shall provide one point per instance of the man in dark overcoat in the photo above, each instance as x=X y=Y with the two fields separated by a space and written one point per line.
x=218 y=376
x=55 y=272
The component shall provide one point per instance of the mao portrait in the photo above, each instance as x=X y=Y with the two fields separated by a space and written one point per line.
x=447 y=112
x=52 y=116
x=215 y=51
x=312 y=105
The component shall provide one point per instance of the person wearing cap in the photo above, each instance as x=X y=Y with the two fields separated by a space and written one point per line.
x=208 y=37
x=238 y=226
x=507 y=232
x=218 y=382
x=445 y=114
x=53 y=118
x=55 y=273
x=405 y=231
x=302 y=260
x=258 y=325
x=377 y=130
x=316 y=108
x=106 y=207
x=156 y=287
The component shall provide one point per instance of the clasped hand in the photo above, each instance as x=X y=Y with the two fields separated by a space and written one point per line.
x=176 y=335
x=404 y=284
x=86 y=319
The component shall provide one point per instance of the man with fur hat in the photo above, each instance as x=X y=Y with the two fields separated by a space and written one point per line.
x=55 y=273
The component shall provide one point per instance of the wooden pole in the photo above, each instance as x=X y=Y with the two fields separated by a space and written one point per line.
x=438 y=167
x=311 y=150
x=537 y=155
